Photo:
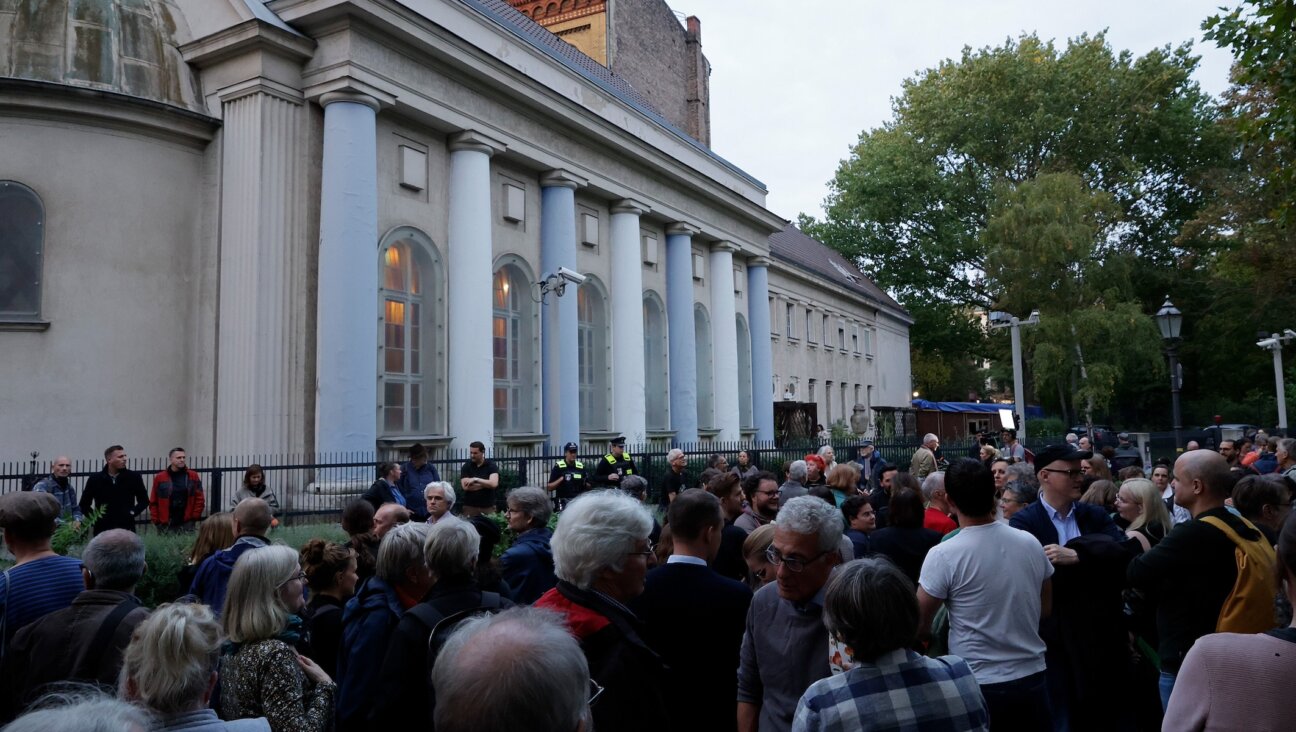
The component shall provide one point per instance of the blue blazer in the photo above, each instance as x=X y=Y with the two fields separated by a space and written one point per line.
x=1090 y=518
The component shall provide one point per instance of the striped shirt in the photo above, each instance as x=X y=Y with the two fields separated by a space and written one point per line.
x=34 y=589
x=898 y=691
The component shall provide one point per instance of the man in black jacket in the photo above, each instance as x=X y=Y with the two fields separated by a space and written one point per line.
x=119 y=489
x=701 y=656
x=1190 y=574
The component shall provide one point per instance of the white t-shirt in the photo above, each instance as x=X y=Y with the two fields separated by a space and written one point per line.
x=990 y=577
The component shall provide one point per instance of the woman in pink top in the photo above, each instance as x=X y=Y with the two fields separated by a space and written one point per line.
x=1231 y=681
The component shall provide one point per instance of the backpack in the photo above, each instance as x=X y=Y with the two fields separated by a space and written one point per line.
x=441 y=627
x=1249 y=607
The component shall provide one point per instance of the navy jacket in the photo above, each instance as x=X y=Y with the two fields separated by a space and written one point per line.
x=213 y=576
x=1090 y=519
x=528 y=566
x=412 y=483
x=701 y=654
x=367 y=625
x=383 y=492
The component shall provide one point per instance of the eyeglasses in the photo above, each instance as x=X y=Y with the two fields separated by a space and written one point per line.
x=645 y=553
x=1010 y=500
x=773 y=556
x=300 y=576
x=595 y=691
x=1072 y=474
x=768 y=493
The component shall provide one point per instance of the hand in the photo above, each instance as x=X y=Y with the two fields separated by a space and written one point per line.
x=312 y=670
x=1060 y=555
x=614 y=477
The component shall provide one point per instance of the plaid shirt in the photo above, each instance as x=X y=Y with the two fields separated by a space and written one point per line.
x=899 y=691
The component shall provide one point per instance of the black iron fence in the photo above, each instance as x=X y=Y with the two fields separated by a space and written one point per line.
x=315 y=486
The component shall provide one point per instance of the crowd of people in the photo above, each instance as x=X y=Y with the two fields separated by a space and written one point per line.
x=1005 y=590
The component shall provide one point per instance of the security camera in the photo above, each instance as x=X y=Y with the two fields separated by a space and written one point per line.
x=1268 y=343
x=576 y=278
x=1289 y=333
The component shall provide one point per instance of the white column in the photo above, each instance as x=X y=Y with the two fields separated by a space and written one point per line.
x=724 y=340
x=261 y=390
x=346 y=402
x=681 y=336
x=629 y=413
x=758 y=318
x=471 y=373
x=560 y=366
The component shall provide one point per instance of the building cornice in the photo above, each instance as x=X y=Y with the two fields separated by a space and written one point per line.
x=104 y=109
x=246 y=36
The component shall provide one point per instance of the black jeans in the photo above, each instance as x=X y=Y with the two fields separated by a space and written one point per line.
x=1021 y=704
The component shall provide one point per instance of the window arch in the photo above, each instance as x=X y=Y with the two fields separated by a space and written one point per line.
x=22 y=241
x=411 y=310
x=656 y=369
x=705 y=375
x=513 y=331
x=592 y=342
x=744 y=375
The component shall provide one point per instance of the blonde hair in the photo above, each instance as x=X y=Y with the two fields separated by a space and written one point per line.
x=254 y=609
x=171 y=657
x=1154 y=508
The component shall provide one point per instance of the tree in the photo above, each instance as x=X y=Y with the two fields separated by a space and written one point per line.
x=1048 y=245
x=912 y=201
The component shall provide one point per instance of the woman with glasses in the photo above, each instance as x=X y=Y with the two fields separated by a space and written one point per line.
x=527 y=566
x=601 y=552
x=1015 y=497
x=262 y=674
x=1141 y=511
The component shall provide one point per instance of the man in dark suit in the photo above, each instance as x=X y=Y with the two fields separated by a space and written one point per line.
x=694 y=618
x=1085 y=637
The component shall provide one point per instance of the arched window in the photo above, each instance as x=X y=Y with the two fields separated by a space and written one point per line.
x=512 y=335
x=705 y=377
x=22 y=237
x=411 y=308
x=592 y=339
x=656 y=375
x=744 y=375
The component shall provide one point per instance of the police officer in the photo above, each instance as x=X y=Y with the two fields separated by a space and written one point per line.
x=568 y=478
x=614 y=466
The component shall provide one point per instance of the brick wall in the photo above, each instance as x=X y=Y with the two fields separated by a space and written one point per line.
x=649 y=48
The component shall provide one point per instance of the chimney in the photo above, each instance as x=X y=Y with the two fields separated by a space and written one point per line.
x=698 y=89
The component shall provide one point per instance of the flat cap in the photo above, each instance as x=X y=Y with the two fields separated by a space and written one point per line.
x=1054 y=453
x=29 y=511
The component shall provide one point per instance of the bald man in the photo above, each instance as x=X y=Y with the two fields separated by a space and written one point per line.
x=389 y=516
x=59 y=484
x=252 y=518
x=1192 y=571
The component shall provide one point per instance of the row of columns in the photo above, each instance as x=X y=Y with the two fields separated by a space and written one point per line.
x=346 y=392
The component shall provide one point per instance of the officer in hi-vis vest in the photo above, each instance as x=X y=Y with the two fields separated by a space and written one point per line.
x=568 y=478
x=614 y=466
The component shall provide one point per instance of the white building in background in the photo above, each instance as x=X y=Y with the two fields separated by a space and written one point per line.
x=289 y=227
x=839 y=340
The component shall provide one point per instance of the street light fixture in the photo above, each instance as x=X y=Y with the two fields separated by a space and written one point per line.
x=1275 y=343
x=1170 y=321
x=1003 y=320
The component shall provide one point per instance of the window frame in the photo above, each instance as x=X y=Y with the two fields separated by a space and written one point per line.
x=28 y=319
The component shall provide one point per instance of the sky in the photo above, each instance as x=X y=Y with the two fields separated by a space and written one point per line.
x=793 y=84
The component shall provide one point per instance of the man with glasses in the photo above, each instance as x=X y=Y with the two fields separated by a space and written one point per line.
x=783 y=650
x=1086 y=642
x=762 y=493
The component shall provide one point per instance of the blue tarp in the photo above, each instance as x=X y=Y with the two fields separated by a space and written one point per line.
x=983 y=407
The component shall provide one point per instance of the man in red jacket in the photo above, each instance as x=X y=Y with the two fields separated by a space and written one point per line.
x=177 y=497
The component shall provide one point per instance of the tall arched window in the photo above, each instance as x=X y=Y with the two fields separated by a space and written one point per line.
x=744 y=375
x=705 y=376
x=592 y=339
x=22 y=237
x=411 y=308
x=512 y=334
x=656 y=376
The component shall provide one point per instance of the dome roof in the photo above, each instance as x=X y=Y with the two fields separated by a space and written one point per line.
x=125 y=46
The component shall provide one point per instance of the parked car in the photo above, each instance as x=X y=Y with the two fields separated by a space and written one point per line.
x=1210 y=436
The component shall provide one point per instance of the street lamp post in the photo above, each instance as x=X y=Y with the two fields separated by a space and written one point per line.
x=1170 y=322
x=1275 y=343
x=1019 y=387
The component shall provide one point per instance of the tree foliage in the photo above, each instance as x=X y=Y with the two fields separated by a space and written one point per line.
x=916 y=198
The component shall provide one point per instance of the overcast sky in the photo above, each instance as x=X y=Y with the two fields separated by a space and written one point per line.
x=794 y=83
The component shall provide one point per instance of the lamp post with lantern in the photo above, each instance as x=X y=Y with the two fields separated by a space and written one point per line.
x=1170 y=322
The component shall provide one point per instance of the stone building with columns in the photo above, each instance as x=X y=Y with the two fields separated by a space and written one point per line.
x=317 y=226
